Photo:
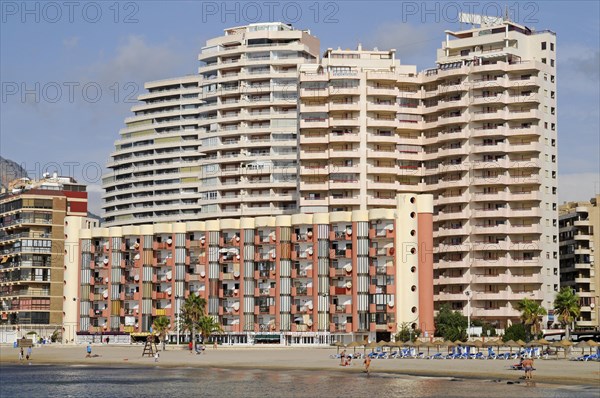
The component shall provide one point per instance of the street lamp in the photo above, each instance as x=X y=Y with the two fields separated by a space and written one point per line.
x=177 y=316
x=468 y=293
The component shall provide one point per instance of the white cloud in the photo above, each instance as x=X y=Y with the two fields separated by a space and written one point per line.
x=578 y=186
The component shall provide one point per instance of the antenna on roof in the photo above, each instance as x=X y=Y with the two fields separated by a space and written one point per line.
x=506 y=16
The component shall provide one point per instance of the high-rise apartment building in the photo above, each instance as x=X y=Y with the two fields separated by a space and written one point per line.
x=478 y=132
x=579 y=224
x=221 y=143
x=33 y=256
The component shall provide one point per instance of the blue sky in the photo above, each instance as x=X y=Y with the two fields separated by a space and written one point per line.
x=70 y=71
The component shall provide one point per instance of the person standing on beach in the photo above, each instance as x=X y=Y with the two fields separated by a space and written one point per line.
x=28 y=353
x=343 y=358
x=367 y=363
x=21 y=354
x=528 y=368
x=89 y=351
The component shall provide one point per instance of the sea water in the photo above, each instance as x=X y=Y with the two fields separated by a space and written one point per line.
x=166 y=382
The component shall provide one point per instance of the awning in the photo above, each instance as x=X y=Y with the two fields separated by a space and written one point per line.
x=267 y=337
x=4 y=259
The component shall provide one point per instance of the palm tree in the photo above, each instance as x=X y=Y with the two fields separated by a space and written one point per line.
x=531 y=314
x=566 y=305
x=207 y=325
x=161 y=326
x=193 y=310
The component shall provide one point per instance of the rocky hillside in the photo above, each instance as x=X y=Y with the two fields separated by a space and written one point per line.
x=10 y=170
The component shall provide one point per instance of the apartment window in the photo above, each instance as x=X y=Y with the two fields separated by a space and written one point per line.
x=552 y=94
x=552 y=78
x=553 y=206
x=553 y=142
x=552 y=110
x=545 y=125
x=543 y=45
x=543 y=60
x=553 y=127
x=551 y=46
x=551 y=62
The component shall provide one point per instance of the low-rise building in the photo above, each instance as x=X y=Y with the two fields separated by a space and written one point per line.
x=579 y=224
x=288 y=278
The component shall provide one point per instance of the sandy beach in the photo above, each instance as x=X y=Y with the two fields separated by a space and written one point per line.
x=304 y=358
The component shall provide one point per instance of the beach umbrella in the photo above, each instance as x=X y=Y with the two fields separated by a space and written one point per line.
x=408 y=344
x=372 y=345
x=543 y=341
x=511 y=344
x=338 y=344
x=533 y=343
x=355 y=344
x=583 y=345
x=521 y=343
x=429 y=344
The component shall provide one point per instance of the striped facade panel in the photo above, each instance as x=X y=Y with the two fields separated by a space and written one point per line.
x=146 y=290
x=362 y=265
x=115 y=260
x=285 y=268
x=248 y=237
x=148 y=241
x=323 y=303
x=116 y=244
x=213 y=238
x=323 y=266
x=249 y=252
x=381 y=299
x=86 y=245
x=114 y=292
x=362 y=247
x=285 y=286
x=213 y=271
x=213 y=254
x=213 y=305
x=115 y=275
x=147 y=257
x=86 y=258
x=146 y=306
x=323 y=284
x=84 y=323
x=323 y=231
x=86 y=276
x=146 y=322
x=179 y=272
x=323 y=248
x=249 y=288
x=146 y=274
x=285 y=234
x=115 y=322
x=362 y=302
x=323 y=321
x=249 y=322
x=362 y=282
x=248 y=269
x=285 y=321
x=286 y=250
x=285 y=303
x=115 y=308
x=179 y=288
x=84 y=292
x=180 y=240
x=180 y=255
x=249 y=305
x=362 y=229
x=84 y=308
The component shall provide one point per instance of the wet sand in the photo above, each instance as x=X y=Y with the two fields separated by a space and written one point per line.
x=548 y=371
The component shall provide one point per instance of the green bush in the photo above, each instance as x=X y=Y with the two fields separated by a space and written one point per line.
x=516 y=331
